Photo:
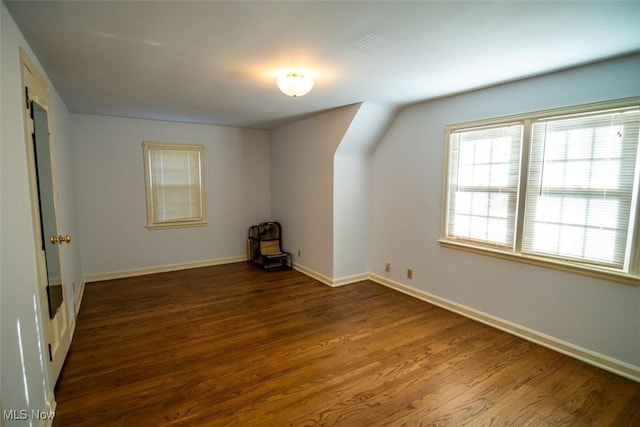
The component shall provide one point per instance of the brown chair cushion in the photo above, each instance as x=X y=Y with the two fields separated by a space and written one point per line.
x=270 y=247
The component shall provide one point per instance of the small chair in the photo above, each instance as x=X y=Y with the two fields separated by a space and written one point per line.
x=265 y=247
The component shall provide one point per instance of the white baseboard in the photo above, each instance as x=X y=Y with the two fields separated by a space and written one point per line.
x=347 y=280
x=79 y=296
x=596 y=359
x=334 y=283
x=161 y=269
x=76 y=304
x=313 y=274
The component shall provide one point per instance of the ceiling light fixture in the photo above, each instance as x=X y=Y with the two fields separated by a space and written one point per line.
x=295 y=83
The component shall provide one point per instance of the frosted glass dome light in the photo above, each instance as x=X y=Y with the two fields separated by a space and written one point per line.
x=295 y=84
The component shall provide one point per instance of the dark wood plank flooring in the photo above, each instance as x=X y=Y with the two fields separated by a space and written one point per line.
x=233 y=346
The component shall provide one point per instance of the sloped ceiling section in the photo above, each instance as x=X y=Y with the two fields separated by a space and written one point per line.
x=367 y=128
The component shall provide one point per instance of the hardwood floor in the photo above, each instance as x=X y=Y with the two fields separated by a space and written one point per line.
x=233 y=346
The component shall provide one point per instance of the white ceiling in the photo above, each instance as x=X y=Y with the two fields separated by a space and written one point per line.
x=215 y=62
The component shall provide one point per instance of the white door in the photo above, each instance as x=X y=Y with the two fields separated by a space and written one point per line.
x=49 y=240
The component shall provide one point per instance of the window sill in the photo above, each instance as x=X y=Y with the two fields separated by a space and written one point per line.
x=167 y=225
x=600 y=273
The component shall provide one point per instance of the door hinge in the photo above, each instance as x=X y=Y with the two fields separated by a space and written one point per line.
x=50 y=354
x=26 y=97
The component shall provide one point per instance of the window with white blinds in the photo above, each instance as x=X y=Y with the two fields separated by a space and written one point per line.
x=557 y=187
x=580 y=192
x=174 y=184
x=483 y=184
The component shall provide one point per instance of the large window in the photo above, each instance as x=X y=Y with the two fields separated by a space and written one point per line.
x=558 y=188
x=174 y=184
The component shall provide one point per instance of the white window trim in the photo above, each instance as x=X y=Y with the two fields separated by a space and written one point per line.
x=631 y=278
x=151 y=223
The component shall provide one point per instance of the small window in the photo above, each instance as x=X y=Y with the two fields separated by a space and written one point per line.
x=557 y=188
x=174 y=178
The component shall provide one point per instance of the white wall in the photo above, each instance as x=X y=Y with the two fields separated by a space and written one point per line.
x=302 y=185
x=351 y=189
x=24 y=378
x=110 y=192
x=407 y=173
x=351 y=214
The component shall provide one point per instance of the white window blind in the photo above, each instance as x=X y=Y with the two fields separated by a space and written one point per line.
x=174 y=184
x=483 y=184
x=582 y=188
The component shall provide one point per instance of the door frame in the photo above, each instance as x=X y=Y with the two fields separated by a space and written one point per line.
x=56 y=333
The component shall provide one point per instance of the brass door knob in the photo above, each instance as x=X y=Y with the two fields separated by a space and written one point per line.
x=54 y=239
x=66 y=239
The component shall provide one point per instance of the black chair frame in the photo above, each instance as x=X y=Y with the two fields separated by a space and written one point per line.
x=264 y=246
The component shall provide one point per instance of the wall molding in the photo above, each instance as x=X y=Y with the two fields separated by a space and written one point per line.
x=347 y=280
x=588 y=356
x=313 y=274
x=334 y=283
x=79 y=296
x=76 y=305
x=160 y=269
